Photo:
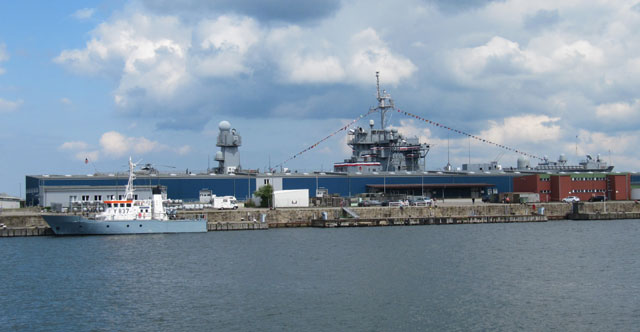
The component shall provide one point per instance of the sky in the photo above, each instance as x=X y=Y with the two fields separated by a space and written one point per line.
x=152 y=79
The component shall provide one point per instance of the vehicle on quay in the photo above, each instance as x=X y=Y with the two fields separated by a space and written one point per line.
x=599 y=198
x=421 y=201
x=370 y=202
x=571 y=199
x=224 y=202
x=126 y=216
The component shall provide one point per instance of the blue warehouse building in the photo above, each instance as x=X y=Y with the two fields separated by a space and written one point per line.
x=43 y=190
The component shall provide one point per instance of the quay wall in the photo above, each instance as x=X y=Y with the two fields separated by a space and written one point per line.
x=25 y=218
x=553 y=211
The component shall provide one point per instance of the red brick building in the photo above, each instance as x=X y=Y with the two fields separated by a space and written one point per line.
x=555 y=187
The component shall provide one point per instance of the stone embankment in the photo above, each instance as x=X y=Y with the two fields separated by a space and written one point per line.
x=28 y=222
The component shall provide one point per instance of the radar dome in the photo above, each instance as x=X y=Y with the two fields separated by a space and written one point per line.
x=562 y=158
x=224 y=125
x=523 y=162
x=219 y=156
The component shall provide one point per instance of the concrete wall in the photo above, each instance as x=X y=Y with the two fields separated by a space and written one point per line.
x=293 y=215
x=9 y=204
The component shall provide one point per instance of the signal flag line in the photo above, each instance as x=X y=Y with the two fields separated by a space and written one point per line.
x=469 y=135
x=326 y=138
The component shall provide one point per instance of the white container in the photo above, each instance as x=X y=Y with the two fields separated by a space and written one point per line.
x=291 y=198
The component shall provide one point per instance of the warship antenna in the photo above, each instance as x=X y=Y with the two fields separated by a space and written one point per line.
x=384 y=101
x=448 y=152
x=378 y=84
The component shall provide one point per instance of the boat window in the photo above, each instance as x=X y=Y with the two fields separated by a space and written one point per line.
x=128 y=204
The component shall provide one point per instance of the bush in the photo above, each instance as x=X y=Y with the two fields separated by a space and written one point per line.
x=265 y=193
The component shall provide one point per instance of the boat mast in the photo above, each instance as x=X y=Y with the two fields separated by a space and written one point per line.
x=129 y=188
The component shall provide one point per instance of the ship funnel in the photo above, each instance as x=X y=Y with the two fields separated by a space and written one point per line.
x=157 y=208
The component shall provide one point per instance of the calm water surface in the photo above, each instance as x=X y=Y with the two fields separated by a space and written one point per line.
x=567 y=275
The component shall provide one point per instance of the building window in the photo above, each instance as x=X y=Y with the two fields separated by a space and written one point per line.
x=73 y=198
x=85 y=198
x=97 y=197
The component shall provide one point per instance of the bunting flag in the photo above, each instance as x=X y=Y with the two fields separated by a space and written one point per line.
x=469 y=135
x=328 y=136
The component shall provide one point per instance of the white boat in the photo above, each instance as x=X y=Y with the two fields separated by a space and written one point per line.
x=126 y=216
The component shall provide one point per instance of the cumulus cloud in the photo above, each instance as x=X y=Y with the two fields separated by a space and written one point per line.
x=501 y=57
x=9 y=106
x=83 y=14
x=223 y=46
x=331 y=62
x=523 y=129
x=74 y=145
x=80 y=150
x=619 y=111
x=166 y=66
x=113 y=144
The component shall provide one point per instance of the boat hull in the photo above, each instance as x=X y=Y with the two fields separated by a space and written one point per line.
x=77 y=225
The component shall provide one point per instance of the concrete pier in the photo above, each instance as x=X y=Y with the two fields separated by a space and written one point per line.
x=25 y=231
x=236 y=226
x=424 y=221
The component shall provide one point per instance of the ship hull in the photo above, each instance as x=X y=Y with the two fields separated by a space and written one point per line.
x=77 y=225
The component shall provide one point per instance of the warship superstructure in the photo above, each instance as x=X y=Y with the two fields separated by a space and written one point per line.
x=589 y=164
x=383 y=149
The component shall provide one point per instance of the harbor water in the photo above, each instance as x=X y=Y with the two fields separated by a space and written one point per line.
x=562 y=275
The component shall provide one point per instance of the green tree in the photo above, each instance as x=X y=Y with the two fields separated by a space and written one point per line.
x=265 y=193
